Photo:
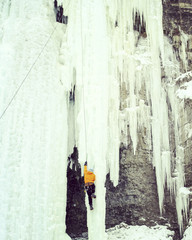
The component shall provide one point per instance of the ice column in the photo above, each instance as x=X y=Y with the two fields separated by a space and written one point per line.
x=88 y=55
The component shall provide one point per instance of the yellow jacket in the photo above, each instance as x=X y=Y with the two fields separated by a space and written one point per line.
x=89 y=177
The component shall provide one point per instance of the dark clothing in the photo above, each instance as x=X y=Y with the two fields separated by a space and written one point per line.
x=55 y=3
x=90 y=190
x=59 y=17
x=61 y=11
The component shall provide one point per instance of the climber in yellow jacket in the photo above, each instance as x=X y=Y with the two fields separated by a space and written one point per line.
x=89 y=179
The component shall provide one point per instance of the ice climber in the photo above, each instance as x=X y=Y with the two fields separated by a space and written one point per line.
x=89 y=179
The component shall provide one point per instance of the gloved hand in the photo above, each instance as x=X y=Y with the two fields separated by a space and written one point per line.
x=85 y=164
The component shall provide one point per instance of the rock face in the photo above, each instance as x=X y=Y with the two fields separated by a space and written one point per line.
x=135 y=199
x=187 y=144
x=76 y=219
x=177 y=15
x=177 y=25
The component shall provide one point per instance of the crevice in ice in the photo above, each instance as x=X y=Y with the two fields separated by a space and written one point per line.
x=72 y=94
x=76 y=215
x=139 y=24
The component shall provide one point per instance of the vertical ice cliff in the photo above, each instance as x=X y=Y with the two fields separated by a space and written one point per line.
x=109 y=75
x=33 y=131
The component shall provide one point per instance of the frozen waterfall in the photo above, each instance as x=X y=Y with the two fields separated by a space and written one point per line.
x=99 y=52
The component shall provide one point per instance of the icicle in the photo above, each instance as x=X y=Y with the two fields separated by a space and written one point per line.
x=143 y=71
x=184 y=40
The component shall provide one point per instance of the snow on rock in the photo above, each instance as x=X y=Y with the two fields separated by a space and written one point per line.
x=187 y=75
x=126 y=232
x=185 y=91
x=184 y=191
x=188 y=232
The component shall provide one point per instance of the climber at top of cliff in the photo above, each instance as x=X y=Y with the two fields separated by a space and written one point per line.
x=89 y=179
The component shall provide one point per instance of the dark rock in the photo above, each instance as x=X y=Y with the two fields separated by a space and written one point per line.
x=76 y=218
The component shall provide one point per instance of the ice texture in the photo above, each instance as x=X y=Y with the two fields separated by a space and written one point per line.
x=95 y=58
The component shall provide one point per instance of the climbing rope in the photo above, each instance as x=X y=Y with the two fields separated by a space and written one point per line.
x=26 y=76
x=82 y=76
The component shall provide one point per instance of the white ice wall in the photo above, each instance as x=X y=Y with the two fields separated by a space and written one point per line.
x=40 y=127
x=33 y=131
